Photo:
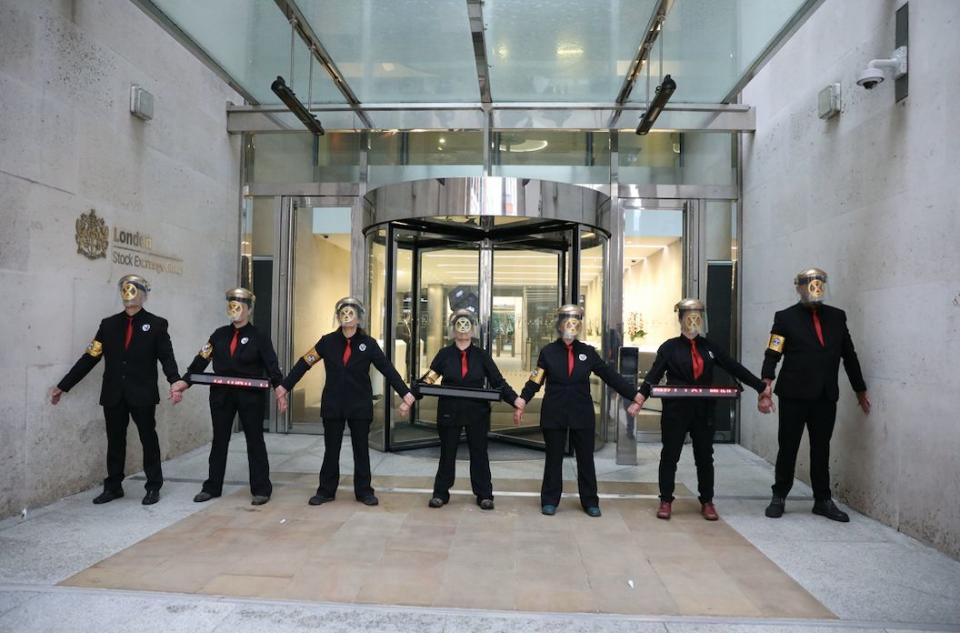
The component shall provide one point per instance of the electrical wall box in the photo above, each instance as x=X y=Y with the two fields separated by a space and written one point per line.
x=141 y=103
x=828 y=102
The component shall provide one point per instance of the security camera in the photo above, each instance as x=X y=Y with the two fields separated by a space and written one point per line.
x=873 y=75
x=870 y=78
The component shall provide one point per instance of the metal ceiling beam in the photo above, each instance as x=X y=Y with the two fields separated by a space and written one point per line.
x=643 y=54
x=299 y=22
x=182 y=38
x=785 y=33
x=475 y=13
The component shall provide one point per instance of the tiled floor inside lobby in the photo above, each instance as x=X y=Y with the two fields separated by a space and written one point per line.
x=226 y=566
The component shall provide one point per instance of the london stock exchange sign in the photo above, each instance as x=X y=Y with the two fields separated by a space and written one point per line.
x=127 y=248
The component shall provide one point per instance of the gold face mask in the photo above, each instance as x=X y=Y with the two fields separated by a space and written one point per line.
x=570 y=328
x=129 y=292
x=463 y=325
x=235 y=310
x=692 y=324
x=347 y=315
x=813 y=291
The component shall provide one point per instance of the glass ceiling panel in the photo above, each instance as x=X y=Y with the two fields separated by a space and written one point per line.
x=709 y=44
x=399 y=50
x=250 y=39
x=562 y=50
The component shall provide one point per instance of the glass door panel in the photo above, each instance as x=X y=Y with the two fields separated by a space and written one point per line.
x=320 y=276
x=653 y=281
x=376 y=314
x=592 y=253
x=527 y=286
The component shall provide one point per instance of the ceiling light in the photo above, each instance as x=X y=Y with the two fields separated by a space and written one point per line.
x=664 y=91
x=289 y=98
x=528 y=145
x=567 y=50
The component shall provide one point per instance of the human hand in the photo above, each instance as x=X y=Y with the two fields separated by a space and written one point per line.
x=179 y=386
x=404 y=408
x=409 y=399
x=175 y=396
x=765 y=404
x=517 y=416
x=633 y=409
x=55 y=394
x=639 y=399
x=864 y=401
x=519 y=403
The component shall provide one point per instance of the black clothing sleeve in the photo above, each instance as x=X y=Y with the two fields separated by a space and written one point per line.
x=165 y=354
x=531 y=388
x=851 y=364
x=269 y=357
x=301 y=367
x=772 y=357
x=610 y=376
x=655 y=375
x=497 y=381
x=83 y=365
x=198 y=365
x=385 y=367
x=738 y=371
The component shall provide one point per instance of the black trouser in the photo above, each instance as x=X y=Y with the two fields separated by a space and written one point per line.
x=678 y=419
x=818 y=416
x=118 y=418
x=330 y=470
x=583 y=442
x=480 y=479
x=249 y=405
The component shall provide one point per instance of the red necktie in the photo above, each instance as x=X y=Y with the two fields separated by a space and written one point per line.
x=570 y=359
x=233 y=343
x=129 y=334
x=346 y=353
x=818 y=327
x=463 y=363
x=696 y=359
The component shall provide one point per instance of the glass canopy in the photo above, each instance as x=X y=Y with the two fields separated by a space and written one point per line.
x=534 y=51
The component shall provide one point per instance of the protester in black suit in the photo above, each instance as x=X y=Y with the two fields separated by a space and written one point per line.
x=347 y=398
x=812 y=338
x=239 y=350
x=131 y=342
x=463 y=364
x=689 y=359
x=566 y=365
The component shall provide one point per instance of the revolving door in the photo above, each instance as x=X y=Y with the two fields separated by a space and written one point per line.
x=512 y=250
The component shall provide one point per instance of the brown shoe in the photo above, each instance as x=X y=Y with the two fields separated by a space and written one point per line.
x=708 y=511
x=666 y=507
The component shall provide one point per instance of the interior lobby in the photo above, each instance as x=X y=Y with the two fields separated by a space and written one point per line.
x=504 y=158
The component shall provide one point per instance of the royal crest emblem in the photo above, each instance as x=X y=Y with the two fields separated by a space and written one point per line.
x=92 y=236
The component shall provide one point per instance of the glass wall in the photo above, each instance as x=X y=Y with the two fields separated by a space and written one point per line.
x=673 y=158
x=562 y=156
x=301 y=157
x=398 y=156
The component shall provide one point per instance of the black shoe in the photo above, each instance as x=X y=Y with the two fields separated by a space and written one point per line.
x=369 y=500
x=107 y=496
x=485 y=504
x=203 y=495
x=775 y=509
x=319 y=499
x=437 y=502
x=151 y=497
x=593 y=511
x=548 y=509
x=828 y=509
x=259 y=500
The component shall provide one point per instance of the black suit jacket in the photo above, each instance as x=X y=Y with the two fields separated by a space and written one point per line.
x=131 y=373
x=480 y=369
x=347 y=392
x=567 y=401
x=810 y=370
x=254 y=358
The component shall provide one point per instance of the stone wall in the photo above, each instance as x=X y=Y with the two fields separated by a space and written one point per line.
x=873 y=197
x=68 y=144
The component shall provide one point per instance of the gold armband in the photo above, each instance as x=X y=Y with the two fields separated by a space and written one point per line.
x=205 y=351
x=776 y=343
x=537 y=375
x=311 y=357
x=430 y=377
x=95 y=348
